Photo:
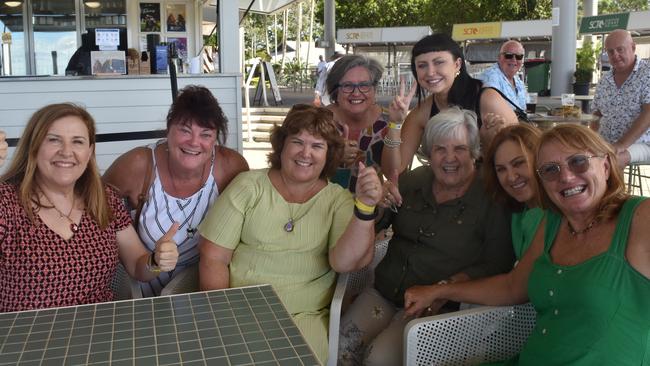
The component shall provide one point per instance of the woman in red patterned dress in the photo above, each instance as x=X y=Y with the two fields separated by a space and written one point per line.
x=62 y=232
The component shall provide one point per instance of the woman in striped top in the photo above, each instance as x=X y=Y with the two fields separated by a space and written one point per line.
x=177 y=179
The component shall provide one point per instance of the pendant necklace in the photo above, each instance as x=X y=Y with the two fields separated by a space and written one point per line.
x=291 y=223
x=191 y=231
x=73 y=225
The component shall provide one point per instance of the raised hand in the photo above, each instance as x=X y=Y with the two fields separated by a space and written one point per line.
x=492 y=124
x=368 y=186
x=399 y=107
x=166 y=253
x=351 y=148
x=3 y=147
x=391 y=198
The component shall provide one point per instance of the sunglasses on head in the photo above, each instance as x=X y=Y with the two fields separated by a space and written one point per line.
x=577 y=164
x=510 y=55
x=348 y=88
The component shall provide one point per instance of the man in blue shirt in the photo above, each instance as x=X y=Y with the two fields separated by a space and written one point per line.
x=503 y=74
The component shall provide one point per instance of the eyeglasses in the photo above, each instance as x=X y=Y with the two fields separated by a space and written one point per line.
x=577 y=164
x=348 y=88
x=510 y=55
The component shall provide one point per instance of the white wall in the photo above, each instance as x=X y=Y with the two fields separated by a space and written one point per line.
x=118 y=104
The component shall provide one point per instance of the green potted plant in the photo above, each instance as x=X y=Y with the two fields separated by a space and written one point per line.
x=585 y=66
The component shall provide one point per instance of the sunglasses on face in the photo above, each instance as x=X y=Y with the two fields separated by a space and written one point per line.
x=577 y=164
x=348 y=88
x=510 y=55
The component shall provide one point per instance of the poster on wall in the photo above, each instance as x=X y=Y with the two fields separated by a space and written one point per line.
x=181 y=46
x=175 y=17
x=150 y=17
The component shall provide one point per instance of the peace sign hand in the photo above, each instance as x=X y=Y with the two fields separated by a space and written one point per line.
x=399 y=107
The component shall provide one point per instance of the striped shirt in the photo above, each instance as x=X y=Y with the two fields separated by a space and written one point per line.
x=159 y=213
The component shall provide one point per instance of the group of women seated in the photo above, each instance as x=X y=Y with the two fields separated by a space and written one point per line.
x=544 y=218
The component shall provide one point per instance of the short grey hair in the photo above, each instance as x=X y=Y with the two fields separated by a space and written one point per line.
x=448 y=124
x=347 y=62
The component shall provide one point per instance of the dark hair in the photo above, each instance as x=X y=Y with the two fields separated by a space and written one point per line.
x=344 y=64
x=196 y=104
x=317 y=121
x=22 y=171
x=526 y=137
x=583 y=138
x=464 y=90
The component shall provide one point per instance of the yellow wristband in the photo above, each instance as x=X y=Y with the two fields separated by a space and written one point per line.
x=365 y=209
x=394 y=126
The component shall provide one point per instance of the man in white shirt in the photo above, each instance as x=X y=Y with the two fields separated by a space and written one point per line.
x=321 y=97
x=622 y=100
x=503 y=74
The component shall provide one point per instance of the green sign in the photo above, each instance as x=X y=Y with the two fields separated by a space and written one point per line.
x=604 y=23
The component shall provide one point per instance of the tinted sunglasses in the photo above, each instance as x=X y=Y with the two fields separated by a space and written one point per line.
x=577 y=164
x=348 y=88
x=509 y=56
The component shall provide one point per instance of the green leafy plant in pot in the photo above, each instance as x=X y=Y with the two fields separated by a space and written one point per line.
x=585 y=65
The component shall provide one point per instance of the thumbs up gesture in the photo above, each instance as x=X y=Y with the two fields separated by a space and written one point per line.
x=166 y=253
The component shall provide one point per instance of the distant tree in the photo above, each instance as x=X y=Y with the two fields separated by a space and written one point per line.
x=378 y=13
x=621 y=6
x=443 y=14
x=440 y=15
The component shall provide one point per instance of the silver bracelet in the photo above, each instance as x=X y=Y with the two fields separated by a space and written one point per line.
x=390 y=143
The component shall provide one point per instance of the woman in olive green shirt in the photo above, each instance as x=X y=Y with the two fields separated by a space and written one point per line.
x=446 y=229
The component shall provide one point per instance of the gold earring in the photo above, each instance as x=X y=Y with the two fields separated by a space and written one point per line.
x=457 y=73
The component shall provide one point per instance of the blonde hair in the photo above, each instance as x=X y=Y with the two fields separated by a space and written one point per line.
x=583 y=138
x=22 y=170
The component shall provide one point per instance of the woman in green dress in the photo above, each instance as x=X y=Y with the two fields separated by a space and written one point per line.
x=509 y=176
x=587 y=271
x=290 y=227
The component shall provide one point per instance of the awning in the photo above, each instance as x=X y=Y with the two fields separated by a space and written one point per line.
x=258 y=6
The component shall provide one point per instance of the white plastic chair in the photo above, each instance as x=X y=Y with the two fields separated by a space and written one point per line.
x=123 y=286
x=468 y=337
x=349 y=285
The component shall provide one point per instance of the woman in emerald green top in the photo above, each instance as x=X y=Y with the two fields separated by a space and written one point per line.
x=587 y=271
x=290 y=227
x=509 y=175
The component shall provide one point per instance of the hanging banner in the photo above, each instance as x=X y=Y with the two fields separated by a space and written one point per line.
x=604 y=23
x=462 y=32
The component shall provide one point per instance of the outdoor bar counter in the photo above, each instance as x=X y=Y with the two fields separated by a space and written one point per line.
x=129 y=111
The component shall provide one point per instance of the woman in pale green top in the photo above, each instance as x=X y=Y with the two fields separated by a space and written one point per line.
x=510 y=178
x=289 y=227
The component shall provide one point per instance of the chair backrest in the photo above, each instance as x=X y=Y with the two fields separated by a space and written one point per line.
x=359 y=280
x=349 y=285
x=123 y=286
x=468 y=337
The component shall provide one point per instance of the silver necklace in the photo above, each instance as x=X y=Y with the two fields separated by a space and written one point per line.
x=190 y=230
x=291 y=223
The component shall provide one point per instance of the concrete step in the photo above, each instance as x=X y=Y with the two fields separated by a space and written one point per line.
x=268 y=110
x=263 y=119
